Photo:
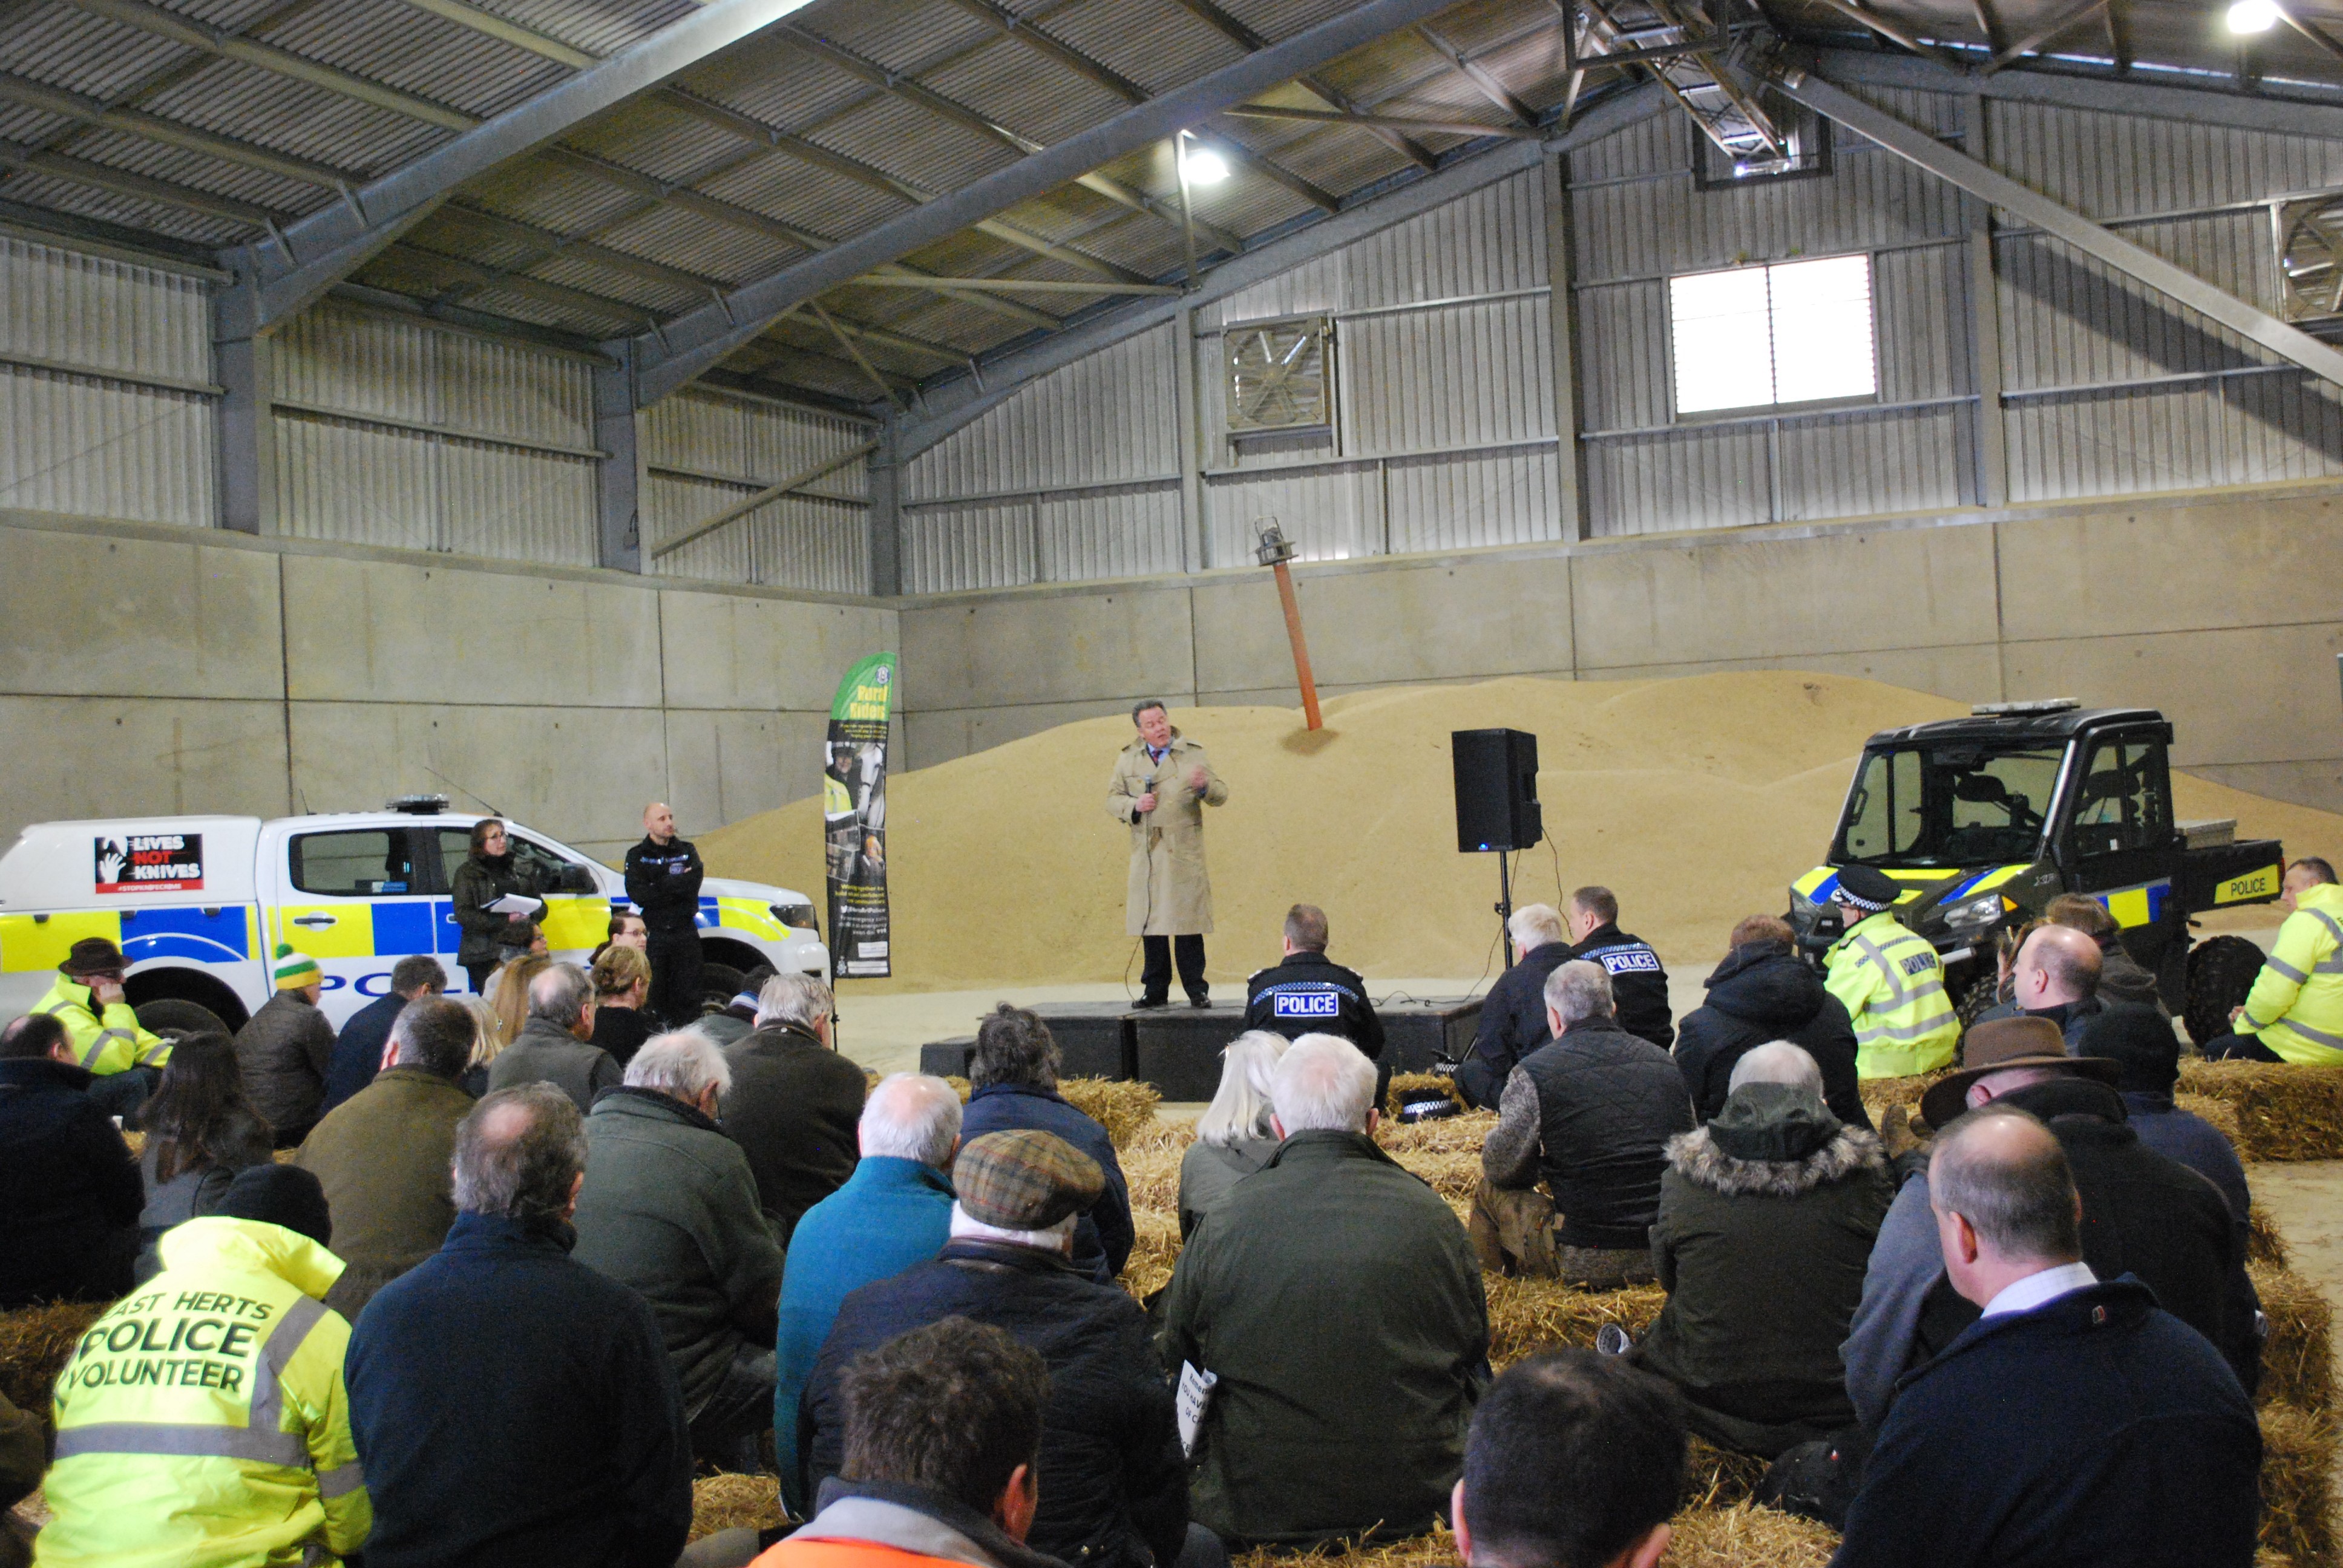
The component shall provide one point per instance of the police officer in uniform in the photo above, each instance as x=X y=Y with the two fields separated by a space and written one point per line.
x=1892 y=982
x=663 y=877
x=1638 y=981
x=1309 y=994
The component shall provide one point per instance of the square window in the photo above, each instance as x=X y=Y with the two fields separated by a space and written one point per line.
x=1763 y=337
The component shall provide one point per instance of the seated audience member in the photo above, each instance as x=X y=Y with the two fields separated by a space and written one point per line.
x=895 y=1210
x=1113 y=1485
x=383 y=1155
x=1338 y=1302
x=2054 y=975
x=1589 y=1115
x=1014 y=1077
x=2123 y=980
x=361 y=1049
x=2076 y=1422
x=2294 y=1012
x=124 y=1058
x=200 y=1132
x=1767 y=1219
x=626 y=930
x=1233 y=1136
x=284 y=1047
x=622 y=979
x=793 y=1102
x=232 y=1448
x=70 y=1192
x=1762 y=992
x=942 y=1447
x=2146 y=1055
x=1575 y=1460
x=1513 y=1016
x=488 y=1044
x=1309 y=993
x=512 y=1405
x=553 y=1045
x=507 y=993
x=669 y=1207
x=738 y=1017
x=1638 y=983
x=2143 y=1215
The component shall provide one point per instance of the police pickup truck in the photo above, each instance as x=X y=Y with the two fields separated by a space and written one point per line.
x=198 y=903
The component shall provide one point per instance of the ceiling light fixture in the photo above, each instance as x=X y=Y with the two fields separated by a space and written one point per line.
x=2253 y=15
x=1207 y=168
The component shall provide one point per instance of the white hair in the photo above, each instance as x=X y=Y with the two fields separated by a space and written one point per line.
x=1534 y=926
x=1777 y=1062
x=683 y=1063
x=1241 y=1105
x=799 y=999
x=911 y=1116
x=1323 y=1083
x=1580 y=989
x=1056 y=1238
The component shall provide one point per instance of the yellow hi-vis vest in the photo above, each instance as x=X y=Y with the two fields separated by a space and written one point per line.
x=2296 y=1002
x=105 y=1043
x=202 y=1422
x=1893 y=984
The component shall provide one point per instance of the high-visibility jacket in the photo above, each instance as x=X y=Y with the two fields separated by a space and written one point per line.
x=202 y=1423
x=1893 y=984
x=2296 y=1002
x=105 y=1043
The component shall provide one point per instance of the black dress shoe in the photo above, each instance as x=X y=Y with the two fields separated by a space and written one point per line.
x=1153 y=1001
x=1197 y=999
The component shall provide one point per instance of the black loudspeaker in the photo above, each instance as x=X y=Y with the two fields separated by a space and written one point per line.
x=1496 y=790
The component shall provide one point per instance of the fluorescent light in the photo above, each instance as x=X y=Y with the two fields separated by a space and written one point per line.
x=2253 y=15
x=1207 y=168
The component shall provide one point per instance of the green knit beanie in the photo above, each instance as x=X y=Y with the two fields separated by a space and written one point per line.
x=296 y=970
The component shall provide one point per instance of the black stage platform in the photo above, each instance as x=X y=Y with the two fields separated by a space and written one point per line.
x=1178 y=1049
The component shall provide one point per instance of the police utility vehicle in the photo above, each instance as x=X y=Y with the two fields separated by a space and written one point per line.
x=198 y=903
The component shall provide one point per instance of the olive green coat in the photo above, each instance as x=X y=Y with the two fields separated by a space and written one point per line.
x=1169 y=894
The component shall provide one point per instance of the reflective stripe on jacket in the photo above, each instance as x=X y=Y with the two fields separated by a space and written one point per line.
x=202 y=1423
x=2296 y=1002
x=1893 y=984
x=105 y=1043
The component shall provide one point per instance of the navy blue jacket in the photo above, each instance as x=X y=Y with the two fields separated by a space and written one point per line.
x=1512 y=1024
x=513 y=1406
x=1103 y=1237
x=1761 y=993
x=70 y=1191
x=2185 y=1136
x=1114 y=1487
x=2096 y=1432
x=357 y=1049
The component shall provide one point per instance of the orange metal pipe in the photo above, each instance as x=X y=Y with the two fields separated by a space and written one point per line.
x=1300 y=649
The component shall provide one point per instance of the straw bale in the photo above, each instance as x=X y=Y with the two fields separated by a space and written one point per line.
x=1154 y=1248
x=1444 y=1135
x=1747 y=1536
x=1879 y=1093
x=2283 y=1111
x=1436 y=1550
x=35 y=1342
x=1121 y=1107
x=2219 y=1112
x=1407 y=1086
x=1528 y=1315
x=1453 y=1175
x=1151 y=1168
x=1718 y=1477
x=2265 y=1242
x=729 y=1502
x=2299 y=1357
x=2298 y=1451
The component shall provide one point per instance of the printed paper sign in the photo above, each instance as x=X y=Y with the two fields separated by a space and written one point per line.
x=150 y=863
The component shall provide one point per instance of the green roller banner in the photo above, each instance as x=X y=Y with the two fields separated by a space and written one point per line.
x=854 y=818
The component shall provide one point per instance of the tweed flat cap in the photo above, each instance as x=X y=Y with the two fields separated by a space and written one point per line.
x=1024 y=1180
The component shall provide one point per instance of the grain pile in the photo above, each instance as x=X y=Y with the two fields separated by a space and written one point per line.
x=1737 y=776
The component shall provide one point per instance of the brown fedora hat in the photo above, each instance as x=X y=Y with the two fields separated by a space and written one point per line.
x=1999 y=1045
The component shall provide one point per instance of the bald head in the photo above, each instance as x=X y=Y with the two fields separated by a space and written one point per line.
x=1777 y=1062
x=2005 y=1201
x=520 y=1154
x=2058 y=965
x=658 y=822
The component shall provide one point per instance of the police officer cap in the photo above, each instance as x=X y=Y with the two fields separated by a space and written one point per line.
x=1868 y=886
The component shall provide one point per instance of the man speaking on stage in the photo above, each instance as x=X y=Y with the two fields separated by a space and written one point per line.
x=1161 y=785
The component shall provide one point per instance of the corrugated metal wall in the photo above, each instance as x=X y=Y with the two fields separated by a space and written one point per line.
x=106 y=407
x=397 y=432
x=706 y=451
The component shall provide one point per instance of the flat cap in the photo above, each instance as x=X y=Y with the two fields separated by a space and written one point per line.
x=1024 y=1180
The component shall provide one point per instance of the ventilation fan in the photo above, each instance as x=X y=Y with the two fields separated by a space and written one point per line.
x=2311 y=257
x=1281 y=375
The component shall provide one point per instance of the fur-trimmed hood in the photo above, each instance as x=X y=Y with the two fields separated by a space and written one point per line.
x=1763 y=1120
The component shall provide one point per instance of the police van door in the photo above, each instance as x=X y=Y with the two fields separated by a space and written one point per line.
x=352 y=899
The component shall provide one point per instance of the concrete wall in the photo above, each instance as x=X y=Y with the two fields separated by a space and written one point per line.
x=2217 y=608
x=157 y=669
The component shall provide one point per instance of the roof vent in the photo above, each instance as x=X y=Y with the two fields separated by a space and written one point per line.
x=417 y=805
x=2020 y=710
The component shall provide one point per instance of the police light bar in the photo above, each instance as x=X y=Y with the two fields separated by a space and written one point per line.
x=417 y=805
x=2014 y=709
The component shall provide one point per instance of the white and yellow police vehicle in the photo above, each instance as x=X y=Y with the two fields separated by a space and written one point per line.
x=198 y=903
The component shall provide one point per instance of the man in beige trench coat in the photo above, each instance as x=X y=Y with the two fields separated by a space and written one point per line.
x=1161 y=785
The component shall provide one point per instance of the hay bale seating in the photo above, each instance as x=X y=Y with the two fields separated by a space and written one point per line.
x=2299 y=1357
x=2298 y=1449
x=35 y=1342
x=1126 y=1109
x=1739 y=1536
x=729 y=1502
x=2283 y=1111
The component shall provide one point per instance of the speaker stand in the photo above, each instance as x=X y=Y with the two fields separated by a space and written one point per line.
x=1504 y=894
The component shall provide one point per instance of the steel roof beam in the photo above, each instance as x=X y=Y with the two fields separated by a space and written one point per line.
x=1389 y=122
x=1317 y=86
x=2045 y=34
x=1890 y=31
x=335 y=242
x=2029 y=205
x=2099 y=93
x=699 y=340
x=143 y=188
x=136 y=122
x=1483 y=80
